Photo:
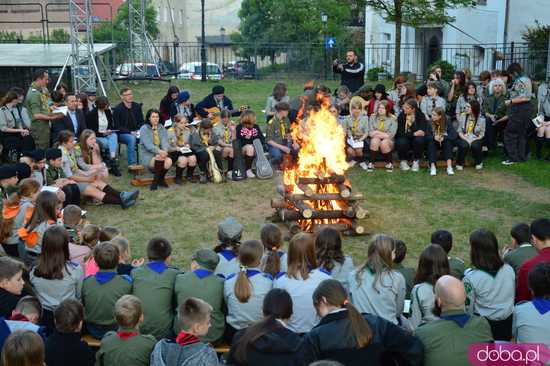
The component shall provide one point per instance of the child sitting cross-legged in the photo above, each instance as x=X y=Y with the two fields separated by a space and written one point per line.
x=188 y=349
x=126 y=346
x=154 y=286
x=64 y=346
x=102 y=290
x=202 y=283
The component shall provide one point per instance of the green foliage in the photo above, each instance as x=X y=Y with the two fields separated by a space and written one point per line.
x=59 y=36
x=6 y=36
x=118 y=32
x=537 y=39
x=447 y=69
x=372 y=74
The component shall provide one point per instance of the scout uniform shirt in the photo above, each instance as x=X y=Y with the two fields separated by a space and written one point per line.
x=356 y=127
x=456 y=267
x=446 y=340
x=277 y=130
x=428 y=104
x=225 y=133
x=205 y=285
x=470 y=128
x=37 y=102
x=154 y=285
x=386 y=124
x=100 y=292
x=517 y=256
x=125 y=347
x=422 y=304
x=408 y=273
x=532 y=321
x=53 y=174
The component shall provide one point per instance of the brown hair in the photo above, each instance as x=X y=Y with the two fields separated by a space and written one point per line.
x=328 y=247
x=271 y=237
x=432 y=264
x=248 y=118
x=55 y=254
x=301 y=256
x=108 y=232
x=400 y=79
x=23 y=348
x=442 y=122
x=250 y=255
x=279 y=91
x=282 y=106
x=193 y=311
x=72 y=214
x=484 y=253
x=45 y=209
x=9 y=97
x=106 y=255
x=333 y=293
x=379 y=257
x=68 y=316
x=128 y=311
x=158 y=249
x=9 y=267
x=86 y=149
x=90 y=238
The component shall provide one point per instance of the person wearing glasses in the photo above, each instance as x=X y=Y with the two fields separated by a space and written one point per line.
x=128 y=118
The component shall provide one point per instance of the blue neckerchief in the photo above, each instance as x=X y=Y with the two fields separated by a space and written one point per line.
x=460 y=319
x=227 y=254
x=202 y=273
x=252 y=272
x=157 y=266
x=542 y=305
x=325 y=271
x=280 y=254
x=104 y=277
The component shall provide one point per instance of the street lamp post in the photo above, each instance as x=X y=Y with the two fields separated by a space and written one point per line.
x=203 y=45
x=324 y=19
x=222 y=33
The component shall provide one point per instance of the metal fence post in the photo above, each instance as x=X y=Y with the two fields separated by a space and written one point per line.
x=548 y=59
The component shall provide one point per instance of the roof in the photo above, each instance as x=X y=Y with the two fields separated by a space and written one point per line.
x=41 y=55
x=216 y=40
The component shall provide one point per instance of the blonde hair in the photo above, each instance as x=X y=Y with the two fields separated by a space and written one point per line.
x=250 y=255
x=128 y=311
x=379 y=258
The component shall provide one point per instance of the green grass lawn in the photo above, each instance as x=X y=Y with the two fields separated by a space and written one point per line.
x=406 y=205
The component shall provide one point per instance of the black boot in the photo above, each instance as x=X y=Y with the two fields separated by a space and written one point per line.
x=179 y=172
x=190 y=170
x=548 y=146
x=114 y=168
x=162 y=181
x=539 y=141
x=158 y=170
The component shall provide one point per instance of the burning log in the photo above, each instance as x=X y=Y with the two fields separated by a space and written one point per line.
x=333 y=179
x=356 y=211
x=306 y=189
x=345 y=192
x=338 y=227
x=279 y=203
x=293 y=215
x=324 y=197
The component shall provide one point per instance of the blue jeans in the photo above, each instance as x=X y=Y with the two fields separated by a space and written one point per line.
x=110 y=142
x=275 y=154
x=130 y=141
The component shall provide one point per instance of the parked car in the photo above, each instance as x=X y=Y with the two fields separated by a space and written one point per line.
x=137 y=69
x=244 y=70
x=193 y=71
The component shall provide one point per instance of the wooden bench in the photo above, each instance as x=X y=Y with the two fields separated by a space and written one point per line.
x=222 y=348
x=92 y=342
x=139 y=181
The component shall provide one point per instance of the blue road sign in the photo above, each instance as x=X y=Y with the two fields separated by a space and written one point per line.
x=330 y=42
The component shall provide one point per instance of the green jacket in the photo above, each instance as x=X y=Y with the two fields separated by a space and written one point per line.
x=53 y=174
x=115 y=351
x=408 y=273
x=446 y=341
x=154 y=285
x=206 y=286
x=277 y=129
x=99 y=297
x=457 y=267
x=520 y=255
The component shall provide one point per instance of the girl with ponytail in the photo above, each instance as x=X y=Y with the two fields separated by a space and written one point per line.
x=274 y=259
x=244 y=291
x=351 y=338
x=268 y=342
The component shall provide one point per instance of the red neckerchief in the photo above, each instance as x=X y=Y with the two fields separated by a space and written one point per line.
x=19 y=317
x=184 y=339
x=125 y=335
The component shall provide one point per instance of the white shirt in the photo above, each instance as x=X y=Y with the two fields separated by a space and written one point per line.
x=102 y=121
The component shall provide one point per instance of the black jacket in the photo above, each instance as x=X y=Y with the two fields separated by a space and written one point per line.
x=66 y=123
x=92 y=121
x=8 y=302
x=67 y=349
x=449 y=129
x=128 y=120
x=353 y=75
x=279 y=347
x=210 y=102
x=332 y=339
x=419 y=123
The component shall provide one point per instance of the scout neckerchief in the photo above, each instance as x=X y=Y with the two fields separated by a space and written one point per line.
x=180 y=138
x=282 y=127
x=469 y=125
x=409 y=120
x=381 y=126
x=44 y=95
x=72 y=158
x=434 y=100
x=226 y=134
x=204 y=137
x=355 y=125
x=156 y=138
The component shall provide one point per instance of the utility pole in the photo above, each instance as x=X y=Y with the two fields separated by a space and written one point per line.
x=203 y=45
x=324 y=19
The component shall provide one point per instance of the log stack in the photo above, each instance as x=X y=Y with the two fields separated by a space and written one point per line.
x=318 y=203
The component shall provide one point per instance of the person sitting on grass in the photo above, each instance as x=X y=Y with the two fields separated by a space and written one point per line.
x=199 y=141
x=72 y=220
x=447 y=340
x=64 y=346
x=188 y=348
x=356 y=127
x=330 y=256
x=23 y=347
x=444 y=239
x=54 y=176
x=179 y=136
x=154 y=286
x=11 y=285
x=443 y=136
x=225 y=132
x=89 y=158
x=247 y=131
x=407 y=272
x=521 y=250
x=127 y=345
x=382 y=129
x=102 y=290
x=153 y=148
x=89 y=186
x=202 y=283
x=274 y=259
x=278 y=135
x=268 y=342
x=471 y=131
x=90 y=238
x=432 y=264
x=229 y=236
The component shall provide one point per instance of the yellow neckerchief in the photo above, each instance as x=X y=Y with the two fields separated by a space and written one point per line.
x=409 y=120
x=471 y=123
x=204 y=138
x=438 y=127
x=180 y=138
x=282 y=128
x=72 y=158
x=355 y=124
x=381 y=126
x=156 y=137
x=227 y=133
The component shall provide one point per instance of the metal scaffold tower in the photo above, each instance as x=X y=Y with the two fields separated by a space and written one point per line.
x=84 y=71
x=141 y=49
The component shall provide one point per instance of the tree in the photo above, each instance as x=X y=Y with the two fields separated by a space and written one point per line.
x=413 y=13
x=537 y=38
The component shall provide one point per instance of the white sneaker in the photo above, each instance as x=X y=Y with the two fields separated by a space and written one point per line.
x=404 y=165
x=508 y=162
x=416 y=166
x=250 y=174
x=363 y=165
x=370 y=167
x=229 y=174
x=479 y=166
x=450 y=170
x=352 y=163
x=389 y=167
x=459 y=167
x=433 y=170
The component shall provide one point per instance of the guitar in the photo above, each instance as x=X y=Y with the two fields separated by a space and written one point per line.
x=263 y=167
x=216 y=113
x=213 y=167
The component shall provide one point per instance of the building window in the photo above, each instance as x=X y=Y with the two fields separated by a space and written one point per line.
x=159 y=10
x=181 y=16
x=166 y=15
x=481 y=2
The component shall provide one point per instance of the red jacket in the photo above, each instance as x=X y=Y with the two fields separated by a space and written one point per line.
x=522 y=290
x=372 y=103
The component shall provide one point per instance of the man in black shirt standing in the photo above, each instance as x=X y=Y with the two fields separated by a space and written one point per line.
x=353 y=73
x=128 y=118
